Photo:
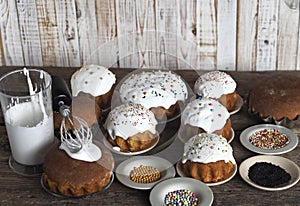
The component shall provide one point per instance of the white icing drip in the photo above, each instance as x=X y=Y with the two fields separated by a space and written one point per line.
x=88 y=153
x=92 y=79
x=154 y=89
x=206 y=148
x=214 y=84
x=129 y=119
x=205 y=113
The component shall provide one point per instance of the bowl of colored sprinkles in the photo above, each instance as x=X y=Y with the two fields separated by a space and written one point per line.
x=181 y=191
x=271 y=173
x=269 y=139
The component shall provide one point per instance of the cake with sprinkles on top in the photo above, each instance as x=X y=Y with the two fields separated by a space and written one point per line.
x=217 y=85
x=163 y=92
x=205 y=115
x=96 y=81
x=208 y=158
x=131 y=127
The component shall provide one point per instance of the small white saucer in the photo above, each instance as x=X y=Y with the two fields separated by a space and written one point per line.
x=238 y=105
x=246 y=134
x=123 y=170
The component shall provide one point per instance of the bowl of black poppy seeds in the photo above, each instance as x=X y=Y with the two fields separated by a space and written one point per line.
x=269 y=172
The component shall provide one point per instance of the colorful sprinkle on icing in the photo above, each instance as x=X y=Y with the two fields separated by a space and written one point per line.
x=154 y=89
x=92 y=79
x=214 y=84
x=206 y=148
x=269 y=139
x=205 y=113
x=129 y=119
x=182 y=197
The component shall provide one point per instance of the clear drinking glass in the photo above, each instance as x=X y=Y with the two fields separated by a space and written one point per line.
x=26 y=101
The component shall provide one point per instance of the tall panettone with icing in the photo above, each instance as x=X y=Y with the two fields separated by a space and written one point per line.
x=92 y=79
x=208 y=158
x=154 y=89
x=217 y=85
x=214 y=84
x=132 y=127
x=204 y=115
x=129 y=119
x=206 y=148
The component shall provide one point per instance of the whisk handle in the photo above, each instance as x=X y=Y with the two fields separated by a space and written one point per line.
x=61 y=94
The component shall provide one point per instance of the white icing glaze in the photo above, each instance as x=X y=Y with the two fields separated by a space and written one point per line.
x=88 y=153
x=206 y=148
x=154 y=89
x=129 y=119
x=92 y=79
x=214 y=84
x=205 y=113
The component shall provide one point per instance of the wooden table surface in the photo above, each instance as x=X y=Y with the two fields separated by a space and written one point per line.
x=20 y=190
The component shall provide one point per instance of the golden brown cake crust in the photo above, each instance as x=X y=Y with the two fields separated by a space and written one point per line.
x=229 y=100
x=138 y=142
x=71 y=177
x=189 y=131
x=278 y=97
x=162 y=114
x=210 y=172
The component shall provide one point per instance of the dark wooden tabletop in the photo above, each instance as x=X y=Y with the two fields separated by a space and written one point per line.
x=20 y=190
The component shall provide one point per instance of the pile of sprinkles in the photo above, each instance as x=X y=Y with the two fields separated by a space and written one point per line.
x=269 y=139
x=181 y=197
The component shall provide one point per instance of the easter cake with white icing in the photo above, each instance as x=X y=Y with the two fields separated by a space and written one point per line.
x=131 y=127
x=163 y=92
x=217 y=85
x=205 y=115
x=208 y=158
x=96 y=81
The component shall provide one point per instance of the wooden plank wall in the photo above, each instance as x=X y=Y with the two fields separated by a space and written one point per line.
x=242 y=35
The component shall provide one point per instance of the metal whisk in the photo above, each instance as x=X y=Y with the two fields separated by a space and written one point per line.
x=78 y=133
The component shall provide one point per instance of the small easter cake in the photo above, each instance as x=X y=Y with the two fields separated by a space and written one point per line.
x=208 y=158
x=205 y=115
x=217 y=85
x=163 y=92
x=94 y=80
x=131 y=127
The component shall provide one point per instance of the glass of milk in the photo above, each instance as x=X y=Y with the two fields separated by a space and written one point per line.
x=26 y=102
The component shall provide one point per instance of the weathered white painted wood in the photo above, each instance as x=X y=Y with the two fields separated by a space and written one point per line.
x=186 y=35
x=146 y=50
x=246 y=35
x=127 y=33
x=206 y=35
x=2 y=62
x=267 y=35
x=287 y=36
x=10 y=34
x=226 y=50
x=166 y=27
x=30 y=37
x=107 y=33
x=298 y=54
x=68 y=34
x=47 y=22
x=87 y=31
